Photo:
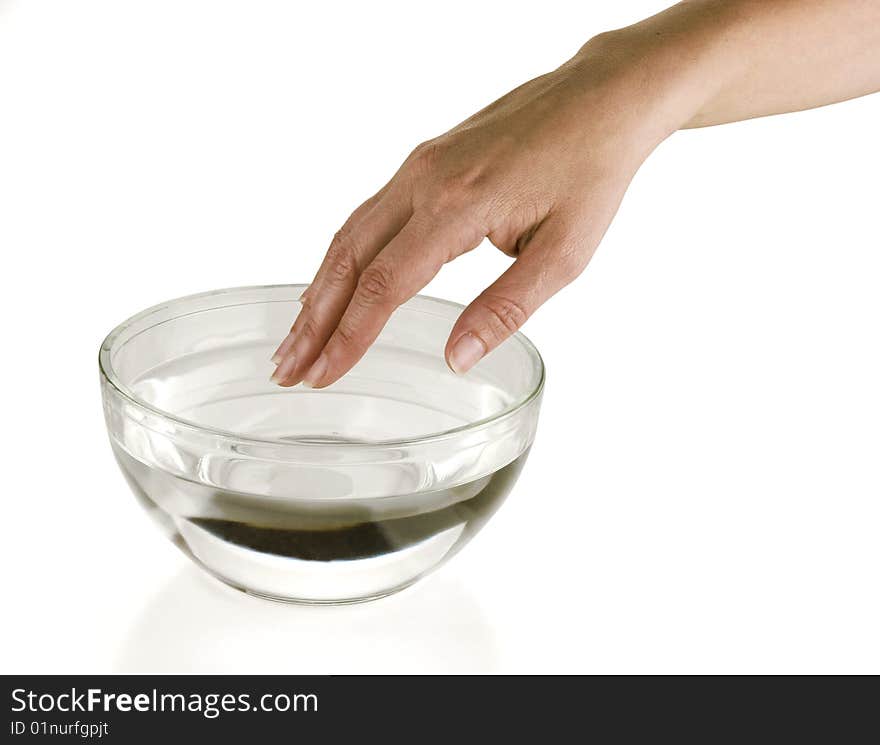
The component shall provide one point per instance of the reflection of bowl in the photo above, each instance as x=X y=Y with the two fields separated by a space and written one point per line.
x=334 y=495
x=195 y=626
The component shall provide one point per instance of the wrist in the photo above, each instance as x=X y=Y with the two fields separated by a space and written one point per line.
x=670 y=66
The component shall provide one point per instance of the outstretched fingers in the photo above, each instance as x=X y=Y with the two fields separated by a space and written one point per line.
x=403 y=268
x=367 y=231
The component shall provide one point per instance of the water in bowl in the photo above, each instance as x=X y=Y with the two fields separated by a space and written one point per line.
x=316 y=550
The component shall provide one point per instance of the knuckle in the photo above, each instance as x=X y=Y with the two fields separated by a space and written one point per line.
x=505 y=316
x=427 y=152
x=424 y=162
x=377 y=283
x=345 y=334
x=341 y=260
x=308 y=329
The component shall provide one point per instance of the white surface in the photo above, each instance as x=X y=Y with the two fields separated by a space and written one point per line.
x=703 y=495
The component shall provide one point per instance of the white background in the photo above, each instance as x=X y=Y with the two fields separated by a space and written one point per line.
x=704 y=491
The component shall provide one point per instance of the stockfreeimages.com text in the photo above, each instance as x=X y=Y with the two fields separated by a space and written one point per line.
x=210 y=705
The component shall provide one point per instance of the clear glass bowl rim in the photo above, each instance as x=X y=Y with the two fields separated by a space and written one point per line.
x=108 y=374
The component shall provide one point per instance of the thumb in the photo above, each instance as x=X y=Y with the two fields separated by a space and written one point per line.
x=550 y=260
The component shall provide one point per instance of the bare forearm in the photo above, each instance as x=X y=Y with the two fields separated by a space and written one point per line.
x=728 y=60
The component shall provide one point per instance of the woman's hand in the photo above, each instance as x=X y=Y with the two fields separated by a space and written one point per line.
x=541 y=171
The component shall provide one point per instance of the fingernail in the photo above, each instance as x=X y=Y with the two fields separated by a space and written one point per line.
x=283 y=371
x=316 y=372
x=283 y=349
x=466 y=353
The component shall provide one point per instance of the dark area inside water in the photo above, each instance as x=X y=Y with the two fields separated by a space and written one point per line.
x=318 y=531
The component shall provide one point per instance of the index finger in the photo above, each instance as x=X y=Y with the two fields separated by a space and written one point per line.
x=351 y=251
x=402 y=268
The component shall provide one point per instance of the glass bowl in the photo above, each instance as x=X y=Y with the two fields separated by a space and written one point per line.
x=321 y=496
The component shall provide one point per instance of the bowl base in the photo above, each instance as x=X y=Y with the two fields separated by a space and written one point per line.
x=314 y=552
x=350 y=582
